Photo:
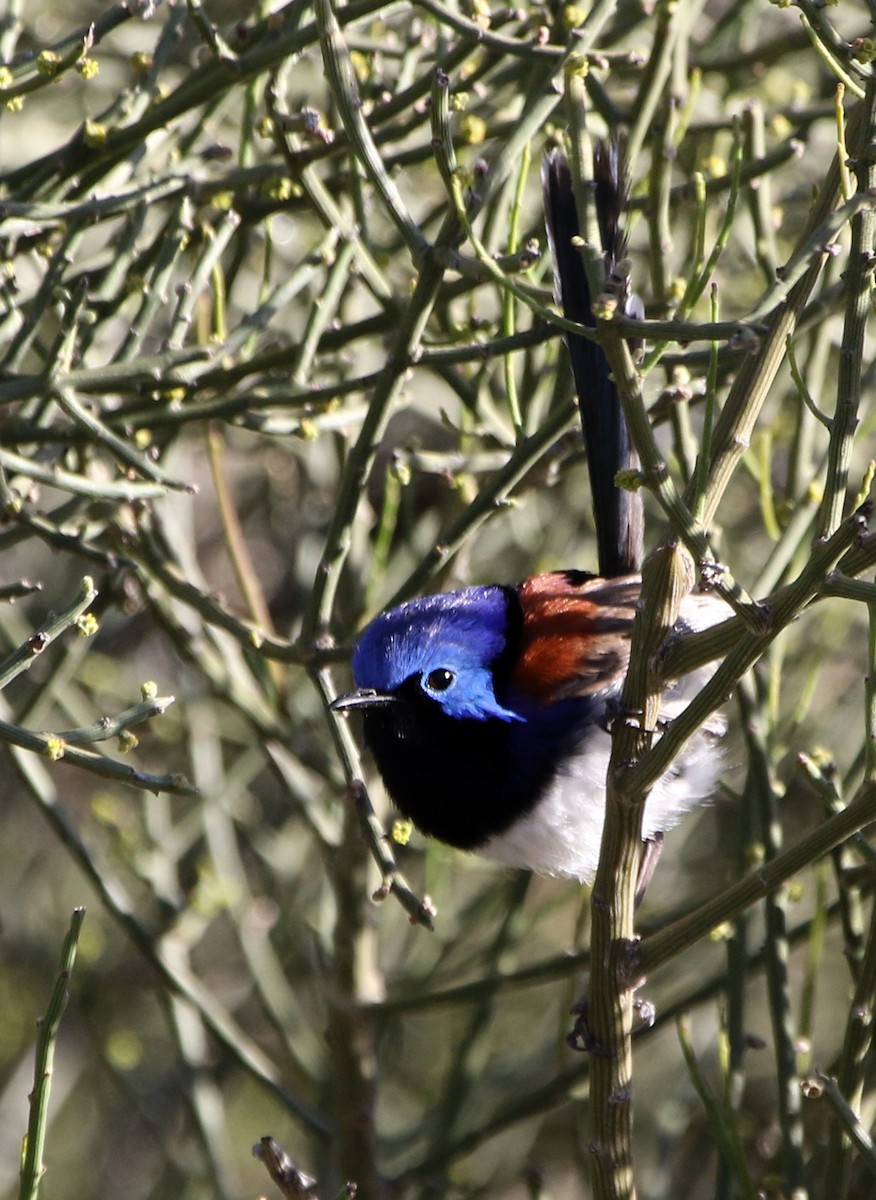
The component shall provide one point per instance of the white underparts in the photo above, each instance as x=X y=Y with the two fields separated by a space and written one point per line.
x=563 y=833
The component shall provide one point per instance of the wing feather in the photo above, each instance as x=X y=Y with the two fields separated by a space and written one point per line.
x=576 y=634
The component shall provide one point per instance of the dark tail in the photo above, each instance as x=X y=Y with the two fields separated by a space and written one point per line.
x=617 y=513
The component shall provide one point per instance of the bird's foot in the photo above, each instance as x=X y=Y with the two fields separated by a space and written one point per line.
x=581 y=1036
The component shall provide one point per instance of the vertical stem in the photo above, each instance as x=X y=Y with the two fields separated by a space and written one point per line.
x=665 y=579
x=351 y=1036
x=362 y=453
x=659 y=226
x=850 y=1076
x=734 y=427
x=859 y=282
x=761 y=784
x=669 y=22
x=32 y=1167
x=355 y=982
x=870 y=699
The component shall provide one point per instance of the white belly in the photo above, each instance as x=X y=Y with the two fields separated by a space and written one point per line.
x=563 y=835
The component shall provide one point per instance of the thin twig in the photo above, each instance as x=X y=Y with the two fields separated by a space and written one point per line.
x=32 y=1166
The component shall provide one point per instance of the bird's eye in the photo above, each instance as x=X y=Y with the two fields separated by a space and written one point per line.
x=439 y=680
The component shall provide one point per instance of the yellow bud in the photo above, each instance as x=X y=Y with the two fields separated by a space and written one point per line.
x=576 y=66
x=722 y=933
x=95 y=134
x=87 y=624
x=361 y=65
x=629 y=479
x=716 y=166
x=401 y=831
x=141 y=62
x=55 y=748
x=823 y=759
x=149 y=690
x=48 y=63
x=480 y=10
x=280 y=189
x=472 y=129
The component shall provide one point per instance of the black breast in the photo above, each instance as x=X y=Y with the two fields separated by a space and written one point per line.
x=448 y=776
x=462 y=781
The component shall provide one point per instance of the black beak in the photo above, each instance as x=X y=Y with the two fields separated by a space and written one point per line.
x=362 y=698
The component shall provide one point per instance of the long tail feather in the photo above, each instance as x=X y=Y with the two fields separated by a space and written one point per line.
x=617 y=513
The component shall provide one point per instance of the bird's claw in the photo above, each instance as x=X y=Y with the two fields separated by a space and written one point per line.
x=581 y=1036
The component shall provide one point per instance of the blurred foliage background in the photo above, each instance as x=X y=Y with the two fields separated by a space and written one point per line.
x=231 y=265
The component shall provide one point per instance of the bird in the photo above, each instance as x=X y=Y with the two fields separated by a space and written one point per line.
x=488 y=709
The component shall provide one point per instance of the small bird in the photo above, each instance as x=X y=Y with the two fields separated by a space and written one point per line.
x=488 y=710
x=488 y=713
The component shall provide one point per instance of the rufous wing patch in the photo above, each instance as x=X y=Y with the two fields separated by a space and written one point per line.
x=575 y=638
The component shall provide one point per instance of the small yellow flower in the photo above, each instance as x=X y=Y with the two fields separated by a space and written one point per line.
x=48 y=63
x=280 y=189
x=629 y=479
x=128 y=741
x=401 y=831
x=55 y=748
x=87 y=624
x=472 y=129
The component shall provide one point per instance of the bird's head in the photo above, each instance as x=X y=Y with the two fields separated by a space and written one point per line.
x=439 y=651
